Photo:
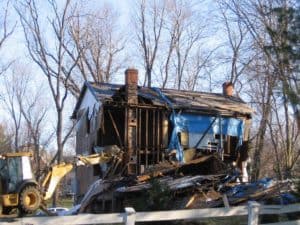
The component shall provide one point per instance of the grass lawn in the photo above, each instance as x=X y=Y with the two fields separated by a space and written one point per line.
x=62 y=202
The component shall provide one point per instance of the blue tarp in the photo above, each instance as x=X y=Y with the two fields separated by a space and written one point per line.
x=174 y=140
x=246 y=190
x=199 y=124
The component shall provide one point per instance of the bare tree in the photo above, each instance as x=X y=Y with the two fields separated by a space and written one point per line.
x=261 y=87
x=169 y=34
x=149 y=24
x=169 y=41
x=100 y=45
x=6 y=30
x=52 y=60
x=188 y=33
x=238 y=45
x=187 y=41
x=9 y=98
x=269 y=31
x=283 y=147
x=33 y=109
x=5 y=139
x=26 y=108
x=199 y=62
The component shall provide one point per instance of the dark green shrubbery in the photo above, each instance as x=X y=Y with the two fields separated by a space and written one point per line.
x=157 y=197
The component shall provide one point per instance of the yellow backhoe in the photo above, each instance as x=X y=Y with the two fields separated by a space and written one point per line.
x=19 y=188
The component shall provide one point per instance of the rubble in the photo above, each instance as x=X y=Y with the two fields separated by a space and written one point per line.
x=201 y=183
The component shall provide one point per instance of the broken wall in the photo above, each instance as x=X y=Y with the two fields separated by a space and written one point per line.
x=88 y=117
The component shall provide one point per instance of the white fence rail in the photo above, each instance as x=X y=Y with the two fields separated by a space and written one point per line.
x=253 y=210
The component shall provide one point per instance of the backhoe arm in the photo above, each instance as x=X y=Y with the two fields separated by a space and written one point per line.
x=93 y=159
x=57 y=172
x=53 y=178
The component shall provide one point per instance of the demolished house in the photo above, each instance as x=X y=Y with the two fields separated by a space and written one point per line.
x=146 y=131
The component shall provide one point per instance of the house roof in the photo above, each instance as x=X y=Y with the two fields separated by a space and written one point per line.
x=187 y=100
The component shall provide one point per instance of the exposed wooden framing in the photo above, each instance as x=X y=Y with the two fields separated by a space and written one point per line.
x=136 y=149
x=228 y=146
x=165 y=129
x=126 y=157
x=158 y=136
x=115 y=128
x=193 y=109
x=141 y=105
x=221 y=146
x=147 y=137
x=153 y=136
x=146 y=148
x=139 y=138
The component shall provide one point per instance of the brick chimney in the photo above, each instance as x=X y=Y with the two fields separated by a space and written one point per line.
x=131 y=81
x=228 y=89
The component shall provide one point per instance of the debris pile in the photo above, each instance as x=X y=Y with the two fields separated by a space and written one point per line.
x=201 y=183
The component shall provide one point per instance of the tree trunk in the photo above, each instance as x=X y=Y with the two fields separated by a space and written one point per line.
x=266 y=110
x=59 y=150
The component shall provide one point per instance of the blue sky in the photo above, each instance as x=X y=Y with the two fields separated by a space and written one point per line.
x=15 y=47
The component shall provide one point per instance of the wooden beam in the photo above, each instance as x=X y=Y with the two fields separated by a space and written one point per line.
x=147 y=138
x=116 y=128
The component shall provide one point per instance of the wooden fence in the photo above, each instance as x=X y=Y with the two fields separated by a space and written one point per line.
x=253 y=210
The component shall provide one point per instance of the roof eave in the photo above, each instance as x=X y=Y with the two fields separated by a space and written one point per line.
x=85 y=86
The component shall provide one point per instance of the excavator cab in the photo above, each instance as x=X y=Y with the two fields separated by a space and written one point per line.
x=18 y=187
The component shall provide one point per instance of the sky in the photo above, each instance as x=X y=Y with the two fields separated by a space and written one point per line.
x=15 y=49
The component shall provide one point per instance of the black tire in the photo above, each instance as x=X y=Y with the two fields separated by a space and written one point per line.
x=6 y=210
x=30 y=200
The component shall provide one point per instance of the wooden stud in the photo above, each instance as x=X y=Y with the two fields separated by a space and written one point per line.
x=115 y=127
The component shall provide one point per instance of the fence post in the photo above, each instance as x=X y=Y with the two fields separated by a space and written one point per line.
x=225 y=201
x=253 y=212
x=130 y=216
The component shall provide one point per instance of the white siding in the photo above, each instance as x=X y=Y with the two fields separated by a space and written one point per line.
x=89 y=102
